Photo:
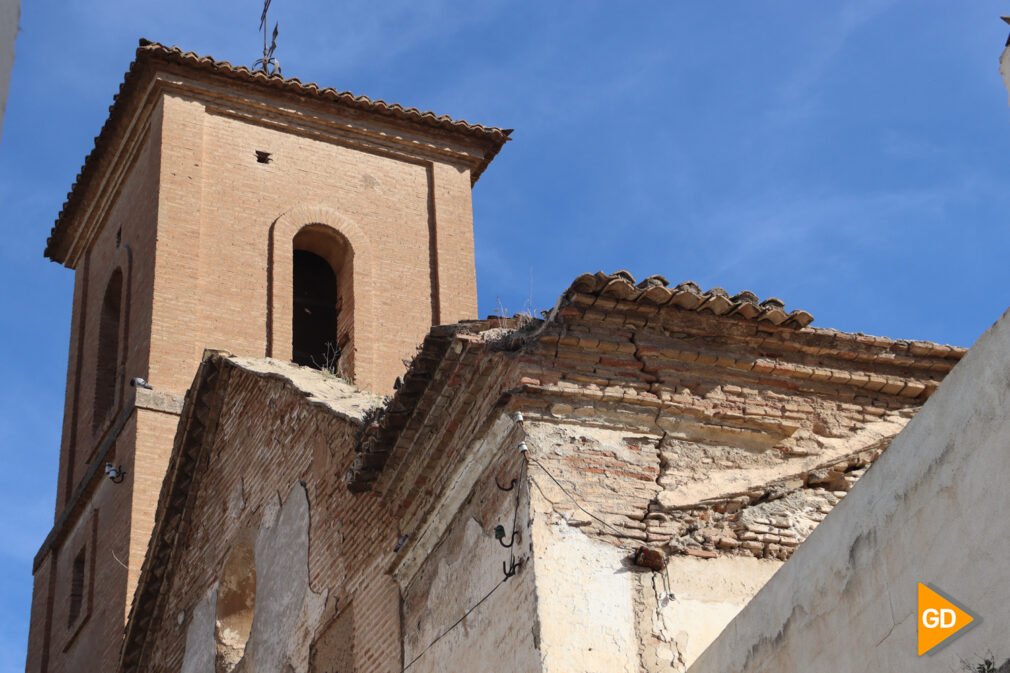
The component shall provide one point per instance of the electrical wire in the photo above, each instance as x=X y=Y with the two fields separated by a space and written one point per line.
x=515 y=522
x=574 y=499
x=117 y=559
x=456 y=623
x=513 y=565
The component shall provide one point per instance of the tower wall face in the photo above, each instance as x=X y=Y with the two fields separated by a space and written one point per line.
x=126 y=243
x=226 y=226
x=203 y=232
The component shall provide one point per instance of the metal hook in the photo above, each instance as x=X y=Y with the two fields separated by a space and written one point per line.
x=511 y=485
x=511 y=569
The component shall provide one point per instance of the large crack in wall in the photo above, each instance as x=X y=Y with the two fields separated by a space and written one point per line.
x=723 y=517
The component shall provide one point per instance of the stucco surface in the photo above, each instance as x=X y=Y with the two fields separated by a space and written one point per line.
x=459 y=613
x=586 y=603
x=601 y=613
x=201 y=653
x=701 y=597
x=287 y=610
x=932 y=510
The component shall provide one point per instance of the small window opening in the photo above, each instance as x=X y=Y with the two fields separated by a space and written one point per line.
x=119 y=236
x=263 y=157
x=107 y=365
x=236 y=603
x=314 y=325
x=77 y=588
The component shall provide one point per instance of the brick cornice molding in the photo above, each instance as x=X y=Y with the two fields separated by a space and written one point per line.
x=287 y=109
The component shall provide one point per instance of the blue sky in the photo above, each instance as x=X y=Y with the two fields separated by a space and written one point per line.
x=848 y=157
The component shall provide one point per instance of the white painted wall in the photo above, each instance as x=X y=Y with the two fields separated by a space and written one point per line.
x=10 y=13
x=934 y=510
x=704 y=595
x=586 y=605
x=459 y=611
x=600 y=614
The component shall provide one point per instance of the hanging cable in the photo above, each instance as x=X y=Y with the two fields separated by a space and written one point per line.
x=509 y=570
x=575 y=500
x=455 y=624
x=518 y=417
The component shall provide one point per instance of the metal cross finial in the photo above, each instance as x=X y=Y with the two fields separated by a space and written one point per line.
x=268 y=64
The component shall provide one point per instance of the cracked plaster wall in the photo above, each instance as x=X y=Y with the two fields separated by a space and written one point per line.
x=586 y=604
x=501 y=634
x=683 y=609
x=600 y=613
x=932 y=510
x=725 y=515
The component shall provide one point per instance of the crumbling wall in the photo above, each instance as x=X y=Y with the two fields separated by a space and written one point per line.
x=288 y=611
x=682 y=608
x=201 y=651
x=932 y=510
x=609 y=482
x=285 y=611
x=765 y=521
x=586 y=589
x=270 y=472
x=460 y=612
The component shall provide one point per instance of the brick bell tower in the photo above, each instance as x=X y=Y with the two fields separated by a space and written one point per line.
x=225 y=208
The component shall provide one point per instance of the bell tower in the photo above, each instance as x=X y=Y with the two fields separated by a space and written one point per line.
x=230 y=209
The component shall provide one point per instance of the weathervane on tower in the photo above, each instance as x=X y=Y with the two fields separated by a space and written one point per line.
x=268 y=64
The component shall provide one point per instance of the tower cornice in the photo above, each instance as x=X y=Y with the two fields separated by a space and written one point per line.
x=287 y=104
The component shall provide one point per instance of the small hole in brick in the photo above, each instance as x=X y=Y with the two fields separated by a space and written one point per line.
x=262 y=157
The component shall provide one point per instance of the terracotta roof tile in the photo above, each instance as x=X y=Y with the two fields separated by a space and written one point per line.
x=295 y=85
x=149 y=52
x=656 y=291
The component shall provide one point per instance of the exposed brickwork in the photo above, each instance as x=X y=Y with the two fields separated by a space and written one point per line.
x=692 y=423
x=175 y=200
x=712 y=419
x=251 y=430
x=261 y=439
x=681 y=430
x=153 y=56
x=766 y=522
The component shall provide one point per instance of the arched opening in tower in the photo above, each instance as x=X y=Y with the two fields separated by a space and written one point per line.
x=107 y=362
x=314 y=326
